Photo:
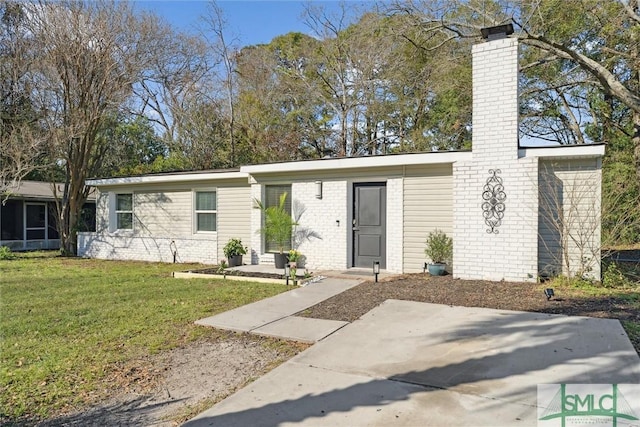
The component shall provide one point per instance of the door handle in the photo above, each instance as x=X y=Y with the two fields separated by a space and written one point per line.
x=356 y=229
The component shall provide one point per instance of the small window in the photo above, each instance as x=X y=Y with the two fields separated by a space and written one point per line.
x=124 y=211
x=205 y=211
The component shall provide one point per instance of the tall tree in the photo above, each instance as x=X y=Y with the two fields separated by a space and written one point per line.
x=22 y=137
x=177 y=80
x=276 y=118
x=134 y=145
x=591 y=44
x=225 y=56
x=89 y=55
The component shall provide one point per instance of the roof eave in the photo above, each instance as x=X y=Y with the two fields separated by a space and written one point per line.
x=566 y=151
x=166 y=179
x=436 y=157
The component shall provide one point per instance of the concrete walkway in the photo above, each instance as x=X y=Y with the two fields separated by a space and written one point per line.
x=274 y=316
x=406 y=363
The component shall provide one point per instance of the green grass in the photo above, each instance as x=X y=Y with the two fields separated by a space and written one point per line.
x=68 y=324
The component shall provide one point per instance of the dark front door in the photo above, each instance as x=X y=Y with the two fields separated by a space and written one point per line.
x=369 y=224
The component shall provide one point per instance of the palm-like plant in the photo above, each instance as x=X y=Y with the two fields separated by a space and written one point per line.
x=278 y=223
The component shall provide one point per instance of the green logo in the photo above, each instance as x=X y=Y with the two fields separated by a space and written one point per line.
x=588 y=404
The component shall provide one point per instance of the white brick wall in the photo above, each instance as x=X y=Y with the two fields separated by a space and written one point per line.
x=511 y=254
x=327 y=217
x=395 y=215
x=157 y=249
x=256 y=224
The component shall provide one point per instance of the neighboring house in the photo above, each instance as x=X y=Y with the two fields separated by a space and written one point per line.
x=500 y=202
x=28 y=217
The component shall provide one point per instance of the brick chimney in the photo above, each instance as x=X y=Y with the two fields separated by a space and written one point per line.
x=495 y=94
x=495 y=195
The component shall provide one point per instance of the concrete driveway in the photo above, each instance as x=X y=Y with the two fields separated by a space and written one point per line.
x=415 y=364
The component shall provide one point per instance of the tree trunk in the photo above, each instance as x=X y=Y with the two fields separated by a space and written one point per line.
x=635 y=51
x=67 y=223
x=69 y=210
x=636 y=143
x=68 y=236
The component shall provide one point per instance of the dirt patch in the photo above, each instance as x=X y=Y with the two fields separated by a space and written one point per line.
x=184 y=381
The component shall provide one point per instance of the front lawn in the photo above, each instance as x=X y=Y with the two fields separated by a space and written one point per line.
x=68 y=325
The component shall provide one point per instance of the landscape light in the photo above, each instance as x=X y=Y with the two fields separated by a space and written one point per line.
x=548 y=293
x=376 y=269
x=287 y=272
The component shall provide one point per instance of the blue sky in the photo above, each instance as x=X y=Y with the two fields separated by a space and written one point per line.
x=252 y=22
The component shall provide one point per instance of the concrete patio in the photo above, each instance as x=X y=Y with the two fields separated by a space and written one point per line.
x=416 y=364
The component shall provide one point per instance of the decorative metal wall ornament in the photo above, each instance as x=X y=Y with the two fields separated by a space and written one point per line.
x=493 y=205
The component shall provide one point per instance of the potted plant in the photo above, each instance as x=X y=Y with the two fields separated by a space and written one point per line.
x=234 y=250
x=439 y=250
x=278 y=228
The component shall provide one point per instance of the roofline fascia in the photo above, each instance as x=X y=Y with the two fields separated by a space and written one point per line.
x=587 y=150
x=166 y=179
x=436 y=157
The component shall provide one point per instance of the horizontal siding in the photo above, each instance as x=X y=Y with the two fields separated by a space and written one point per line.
x=572 y=187
x=234 y=217
x=428 y=204
x=163 y=214
x=102 y=212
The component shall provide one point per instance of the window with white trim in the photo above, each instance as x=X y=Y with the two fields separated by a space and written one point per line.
x=124 y=211
x=205 y=211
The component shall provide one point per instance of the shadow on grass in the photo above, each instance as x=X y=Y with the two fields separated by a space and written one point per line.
x=135 y=411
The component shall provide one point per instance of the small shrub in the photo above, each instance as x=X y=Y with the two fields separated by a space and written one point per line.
x=221 y=267
x=577 y=282
x=6 y=254
x=614 y=278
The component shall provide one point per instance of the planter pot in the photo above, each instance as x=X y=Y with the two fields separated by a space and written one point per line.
x=280 y=260
x=436 y=269
x=235 y=260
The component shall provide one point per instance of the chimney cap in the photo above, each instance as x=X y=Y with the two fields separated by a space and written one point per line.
x=497 y=32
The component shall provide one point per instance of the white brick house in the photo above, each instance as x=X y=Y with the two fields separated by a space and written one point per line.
x=494 y=200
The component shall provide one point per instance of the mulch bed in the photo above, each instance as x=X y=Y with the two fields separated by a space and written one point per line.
x=353 y=303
